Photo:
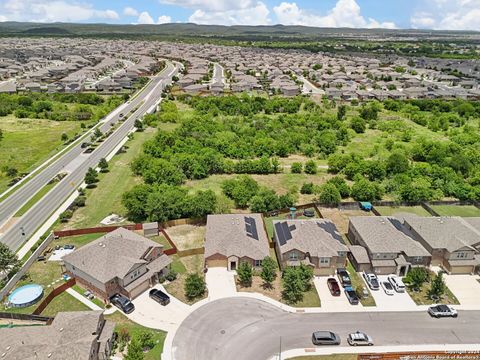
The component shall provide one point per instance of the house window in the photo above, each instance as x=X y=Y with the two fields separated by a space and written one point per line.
x=293 y=256
x=417 y=259
x=341 y=253
x=324 y=260
x=258 y=263
x=461 y=255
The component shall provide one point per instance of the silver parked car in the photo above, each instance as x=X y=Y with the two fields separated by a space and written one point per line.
x=359 y=338
x=439 y=311
x=325 y=338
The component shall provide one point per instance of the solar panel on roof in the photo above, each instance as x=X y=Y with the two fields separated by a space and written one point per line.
x=283 y=232
x=251 y=228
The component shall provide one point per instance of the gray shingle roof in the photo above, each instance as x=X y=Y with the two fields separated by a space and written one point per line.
x=319 y=237
x=384 y=234
x=70 y=336
x=112 y=255
x=451 y=233
x=227 y=235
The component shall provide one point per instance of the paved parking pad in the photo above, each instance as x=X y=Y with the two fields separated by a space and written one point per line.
x=466 y=288
x=220 y=283
x=395 y=302
x=330 y=302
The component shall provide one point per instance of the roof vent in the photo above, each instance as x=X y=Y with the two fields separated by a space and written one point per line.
x=4 y=354
x=8 y=347
x=61 y=329
x=100 y=244
x=49 y=355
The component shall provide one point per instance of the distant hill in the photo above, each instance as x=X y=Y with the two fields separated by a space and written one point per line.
x=243 y=33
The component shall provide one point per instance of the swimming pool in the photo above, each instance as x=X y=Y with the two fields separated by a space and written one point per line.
x=26 y=295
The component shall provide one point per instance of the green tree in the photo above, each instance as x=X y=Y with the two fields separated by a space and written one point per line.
x=358 y=125
x=397 y=163
x=8 y=259
x=269 y=271
x=11 y=172
x=103 y=165
x=146 y=339
x=293 y=285
x=341 y=112
x=307 y=188
x=296 y=168
x=310 y=167
x=417 y=276
x=241 y=189
x=438 y=286
x=138 y=124
x=364 y=190
x=194 y=286
x=329 y=194
x=64 y=137
x=134 y=201
x=91 y=177
x=245 y=273
x=135 y=351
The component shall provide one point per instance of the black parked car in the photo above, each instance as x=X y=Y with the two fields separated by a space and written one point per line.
x=159 y=296
x=351 y=295
x=344 y=277
x=123 y=303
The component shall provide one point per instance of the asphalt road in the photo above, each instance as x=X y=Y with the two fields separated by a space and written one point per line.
x=249 y=329
x=41 y=211
x=218 y=74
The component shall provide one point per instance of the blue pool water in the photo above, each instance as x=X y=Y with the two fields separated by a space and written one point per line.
x=26 y=295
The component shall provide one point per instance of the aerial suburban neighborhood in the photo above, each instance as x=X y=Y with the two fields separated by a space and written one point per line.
x=178 y=191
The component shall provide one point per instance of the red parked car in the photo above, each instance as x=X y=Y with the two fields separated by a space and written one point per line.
x=333 y=287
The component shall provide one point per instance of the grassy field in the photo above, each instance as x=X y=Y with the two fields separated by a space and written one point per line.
x=27 y=143
x=392 y=210
x=134 y=329
x=456 y=210
x=106 y=198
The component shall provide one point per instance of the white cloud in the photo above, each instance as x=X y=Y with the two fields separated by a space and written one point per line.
x=346 y=13
x=146 y=19
x=129 y=11
x=212 y=5
x=257 y=14
x=447 y=15
x=164 y=19
x=50 y=11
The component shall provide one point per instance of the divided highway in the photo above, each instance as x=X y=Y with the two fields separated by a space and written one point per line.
x=42 y=210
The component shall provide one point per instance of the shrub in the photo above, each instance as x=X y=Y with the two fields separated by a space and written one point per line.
x=245 y=273
x=171 y=276
x=310 y=167
x=296 y=168
x=194 y=286
x=307 y=189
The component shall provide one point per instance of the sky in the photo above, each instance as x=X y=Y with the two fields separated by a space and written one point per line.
x=422 y=14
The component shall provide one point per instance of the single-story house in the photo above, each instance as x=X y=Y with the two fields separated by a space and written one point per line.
x=80 y=335
x=315 y=243
x=121 y=261
x=390 y=247
x=454 y=242
x=234 y=238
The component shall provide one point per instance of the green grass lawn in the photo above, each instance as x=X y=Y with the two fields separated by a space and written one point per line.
x=161 y=240
x=64 y=302
x=27 y=143
x=95 y=300
x=392 y=210
x=357 y=281
x=421 y=296
x=456 y=210
x=310 y=299
x=133 y=329
x=77 y=241
x=106 y=198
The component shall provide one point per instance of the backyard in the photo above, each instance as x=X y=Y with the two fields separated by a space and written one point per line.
x=187 y=236
x=341 y=217
x=299 y=215
x=456 y=210
x=393 y=210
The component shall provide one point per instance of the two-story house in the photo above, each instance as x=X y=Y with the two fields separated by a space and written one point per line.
x=390 y=246
x=121 y=261
x=316 y=243
x=454 y=242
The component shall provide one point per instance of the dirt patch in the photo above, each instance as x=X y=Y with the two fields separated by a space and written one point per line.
x=275 y=292
x=187 y=236
x=341 y=217
x=8 y=224
x=177 y=289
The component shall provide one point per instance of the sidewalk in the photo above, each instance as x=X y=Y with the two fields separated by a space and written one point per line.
x=83 y=299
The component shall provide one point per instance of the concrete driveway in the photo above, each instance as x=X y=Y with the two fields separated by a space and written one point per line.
x=396 y=302
x=466 y=288
x=220 y=283
x=151 y=314
x=330 y=302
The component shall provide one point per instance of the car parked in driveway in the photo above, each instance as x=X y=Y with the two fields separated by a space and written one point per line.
x=159 y=296
x=359 y=339
x=325 y=338
x=344 y=277
x=371 y=280
x=123 y=303
x=397 y=283
x=439 y=311
x=387 y=287
x=351 y=295
x=333 y=286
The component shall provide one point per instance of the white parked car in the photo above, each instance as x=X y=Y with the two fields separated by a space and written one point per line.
x=397 y=283
x=387 y=287
x=371 y=280
x=359 y=338
x=439 y=311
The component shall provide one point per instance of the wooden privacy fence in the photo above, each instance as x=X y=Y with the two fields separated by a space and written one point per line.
x=170 y=223
x=95 y=230
x=25 y=317
x=53 y=294
x=190 y=252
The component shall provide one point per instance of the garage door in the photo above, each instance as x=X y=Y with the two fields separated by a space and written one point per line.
x=217 y=263
x=461 y=269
